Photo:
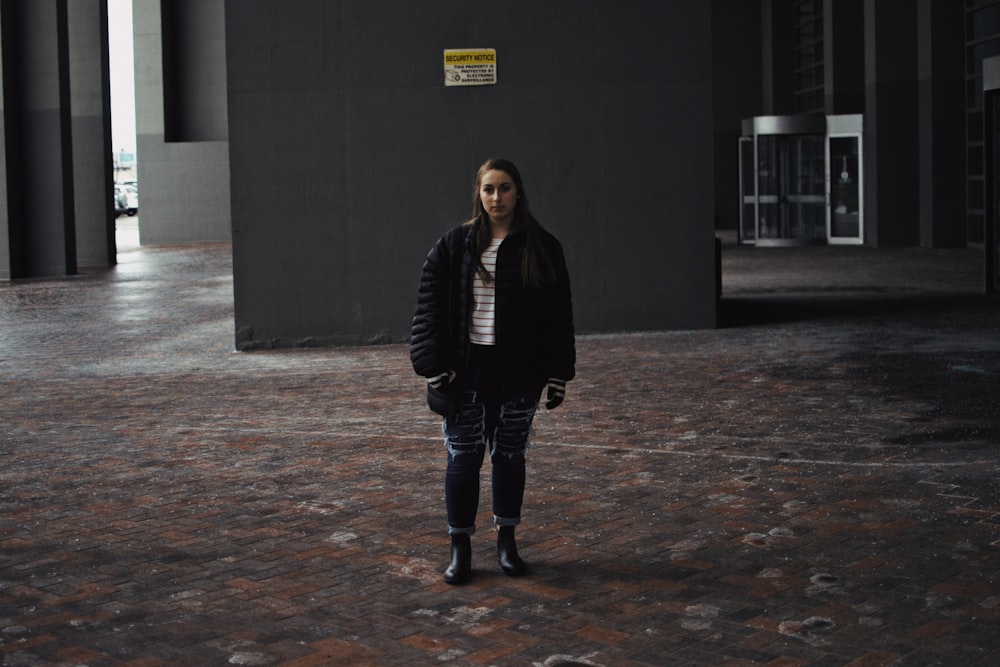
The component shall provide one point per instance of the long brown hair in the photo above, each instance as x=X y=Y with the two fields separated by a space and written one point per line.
x=536 y=265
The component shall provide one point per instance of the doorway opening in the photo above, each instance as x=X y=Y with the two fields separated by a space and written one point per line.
x=801 y=180
x=121 y=64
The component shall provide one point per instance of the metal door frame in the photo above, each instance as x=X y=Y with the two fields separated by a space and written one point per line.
x=744 y=195
x=842 y=126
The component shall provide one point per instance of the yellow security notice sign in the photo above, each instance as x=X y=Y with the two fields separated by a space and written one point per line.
x=470 y=67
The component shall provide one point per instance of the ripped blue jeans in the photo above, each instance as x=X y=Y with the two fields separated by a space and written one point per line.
x=497 y=421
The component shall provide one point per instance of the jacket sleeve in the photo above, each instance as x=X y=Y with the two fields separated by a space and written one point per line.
x=561 y=338
x=430 y=328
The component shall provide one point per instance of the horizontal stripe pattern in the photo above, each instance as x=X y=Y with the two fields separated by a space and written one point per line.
x=483 y=329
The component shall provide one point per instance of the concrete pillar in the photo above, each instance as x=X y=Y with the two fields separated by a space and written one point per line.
x=844 y=56
x=941 y=71
x=37 y=124
x=349 y=161
x=181 y=121
x=736 y=93
x=5 y=189
x=891 y=148
x=777 y=51
x=90 y=101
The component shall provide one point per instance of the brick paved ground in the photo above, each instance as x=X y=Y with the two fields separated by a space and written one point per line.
x=814 y=483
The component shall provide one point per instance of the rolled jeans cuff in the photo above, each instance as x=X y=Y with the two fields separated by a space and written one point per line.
x=504 y=521
x=452 y=530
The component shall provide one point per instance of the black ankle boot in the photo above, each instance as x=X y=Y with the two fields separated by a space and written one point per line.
x=510 y=562
x=460 y=568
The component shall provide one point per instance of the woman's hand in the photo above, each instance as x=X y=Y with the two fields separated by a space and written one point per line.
x=555 y=392
x=439 y=381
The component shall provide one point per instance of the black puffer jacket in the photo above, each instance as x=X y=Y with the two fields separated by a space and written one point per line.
x=534 y=325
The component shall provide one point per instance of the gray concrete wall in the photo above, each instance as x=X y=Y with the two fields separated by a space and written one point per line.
x=844 y=57
x=736 y=94
x=941 y=90
x=45 y=155
x=349 y=156
x=55 y=197
x=90 y=104
x=891 y=140
x=184 y=182
x=6 y=203
x=194 y=70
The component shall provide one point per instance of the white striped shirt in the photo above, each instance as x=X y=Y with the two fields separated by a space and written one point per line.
x=483 y=330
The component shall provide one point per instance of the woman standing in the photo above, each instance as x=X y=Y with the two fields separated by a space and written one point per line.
x=493 y=328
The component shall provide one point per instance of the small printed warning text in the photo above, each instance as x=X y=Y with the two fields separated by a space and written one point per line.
x=470 y=67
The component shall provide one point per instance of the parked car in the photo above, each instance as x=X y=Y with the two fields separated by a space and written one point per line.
x=121 y=200
x=126 y=200
x=132 y=191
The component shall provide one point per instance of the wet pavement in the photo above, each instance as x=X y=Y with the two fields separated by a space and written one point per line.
x=813 y=483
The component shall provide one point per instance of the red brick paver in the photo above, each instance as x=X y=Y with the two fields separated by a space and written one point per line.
x=812 y=484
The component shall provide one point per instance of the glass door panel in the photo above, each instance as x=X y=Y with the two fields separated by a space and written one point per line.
x=768 y=221
x=845 y=190
x=791 y=179
x=807 y=190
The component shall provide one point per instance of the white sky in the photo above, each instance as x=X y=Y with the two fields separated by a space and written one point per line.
x=122 y=76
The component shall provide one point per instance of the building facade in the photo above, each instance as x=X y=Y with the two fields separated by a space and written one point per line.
x=321 y=138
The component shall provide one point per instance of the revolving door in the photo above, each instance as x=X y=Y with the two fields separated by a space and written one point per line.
x=800 y=180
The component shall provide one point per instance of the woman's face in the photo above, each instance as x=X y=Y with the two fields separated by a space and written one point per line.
x=498 y=195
